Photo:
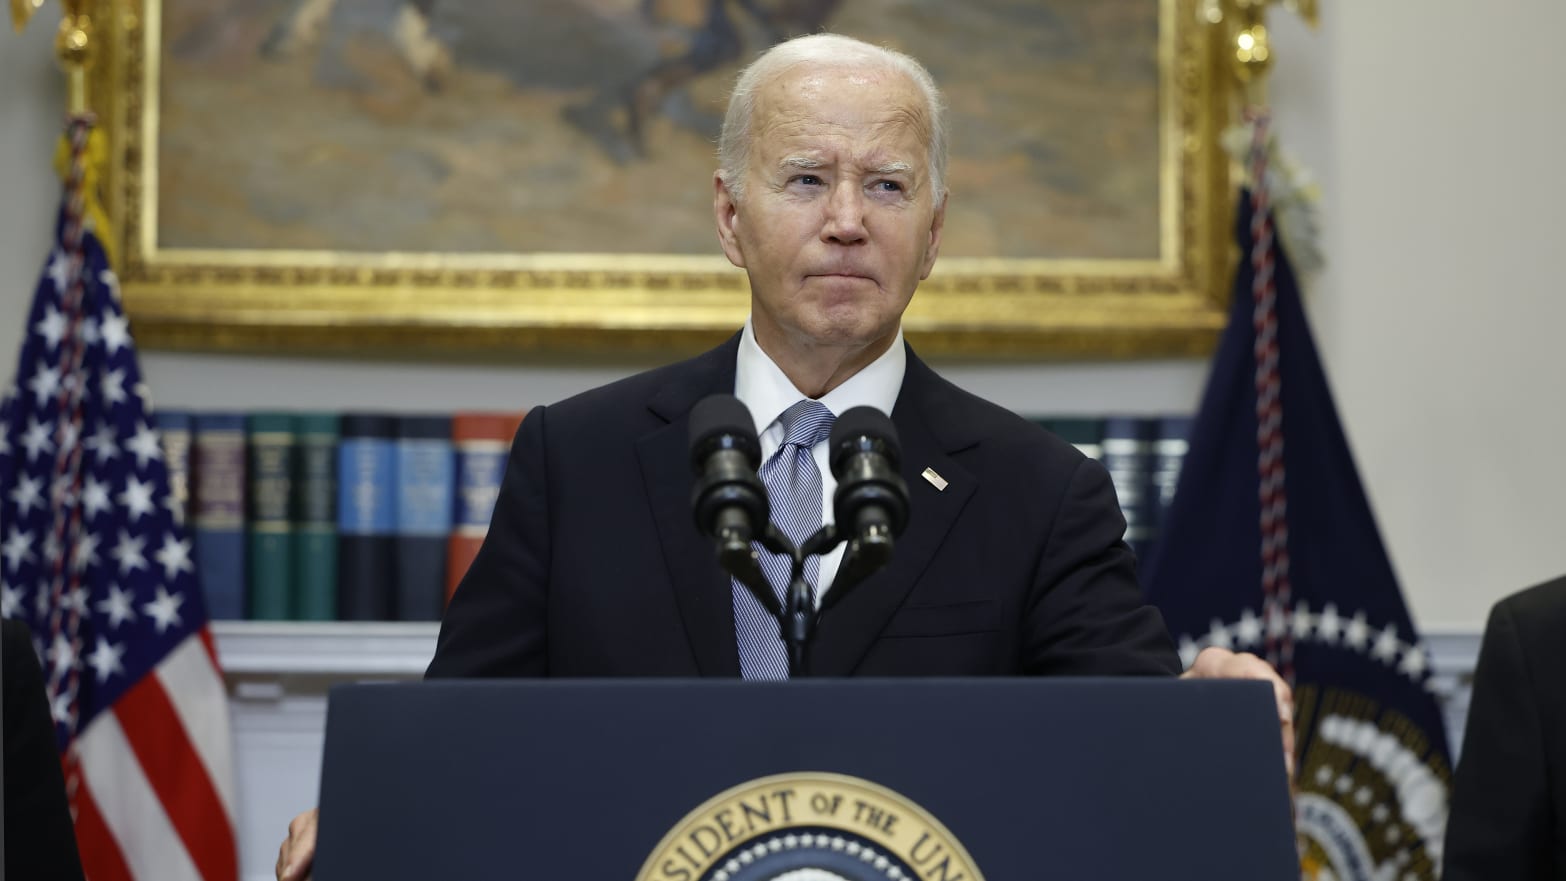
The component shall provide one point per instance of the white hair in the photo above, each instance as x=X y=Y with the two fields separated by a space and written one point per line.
x=828 y=50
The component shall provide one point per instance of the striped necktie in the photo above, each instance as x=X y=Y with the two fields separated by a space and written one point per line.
x=794 y=490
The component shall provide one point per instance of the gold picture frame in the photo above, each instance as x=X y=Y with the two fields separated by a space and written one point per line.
x=601 y=306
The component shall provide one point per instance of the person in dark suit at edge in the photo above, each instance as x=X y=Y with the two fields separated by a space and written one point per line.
x=1508 y=817
x=831 y=196
x=40 y=842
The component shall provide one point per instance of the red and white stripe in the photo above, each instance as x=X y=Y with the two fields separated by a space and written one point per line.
x=1276 y=588
x=156 y=796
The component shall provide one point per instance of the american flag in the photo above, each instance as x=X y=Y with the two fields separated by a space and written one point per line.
x=96 y=558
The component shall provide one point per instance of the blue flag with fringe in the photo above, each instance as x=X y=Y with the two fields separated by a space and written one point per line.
x=1270 y=546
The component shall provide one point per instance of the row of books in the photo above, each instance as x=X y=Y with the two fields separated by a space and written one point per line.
x=324 y=516
x=1143 y=455
x=367 y=517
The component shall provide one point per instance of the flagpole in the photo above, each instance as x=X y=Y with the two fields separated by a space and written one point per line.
x=74 y=49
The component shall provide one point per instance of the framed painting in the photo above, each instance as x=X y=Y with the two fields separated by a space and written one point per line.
x=502 y=178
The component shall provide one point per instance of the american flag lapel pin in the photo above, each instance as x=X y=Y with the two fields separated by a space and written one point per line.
x=935 y=479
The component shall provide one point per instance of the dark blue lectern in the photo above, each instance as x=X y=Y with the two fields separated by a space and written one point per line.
x=824 y=780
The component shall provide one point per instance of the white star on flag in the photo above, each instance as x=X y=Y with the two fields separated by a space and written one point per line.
x=117 y=605
x=36 y=439
x=51 y=327
x=174 y=556
x=1249 y=631
x=114 y=386
x=60 y=710
x=114 y=330
x=1219 y=636
x=103 y=444
x=45 y=384
x=59 y=270
x=95 y=499
x=1327 y=624
x=1413 y=665
x=105 y=659
x=1303 y=622
x=18 y=548
x=137 y=498
x=75 y=600
x=1387 y=645
x=28 y=494
x=1277 y=621
x=11 y=601
x=5 y=443
x=1188 y=651
x=61 y=654
x=128 y=553
x=145 y=445
x=1357 y=634
x=89 y=331
x=69 y=432
x=164 y=609
x=112 y=282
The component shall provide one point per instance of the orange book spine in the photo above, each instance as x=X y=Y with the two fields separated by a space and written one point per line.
x=481 y=442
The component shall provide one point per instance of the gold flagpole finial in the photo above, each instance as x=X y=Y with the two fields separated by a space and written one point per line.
x=73 y=42
x=22 y=12
x=1247 y=41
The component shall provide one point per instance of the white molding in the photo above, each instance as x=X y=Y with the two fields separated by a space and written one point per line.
x=325 y=648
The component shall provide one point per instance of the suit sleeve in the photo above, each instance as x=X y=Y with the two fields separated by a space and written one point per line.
x=1499 y=825
x=40 y=842
x=1086 y=615
x=497 y=622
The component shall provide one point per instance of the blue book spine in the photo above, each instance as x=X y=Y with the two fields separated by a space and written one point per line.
x=217 y=495
x=1128 y=456
x=366 y=517
x=426 y=484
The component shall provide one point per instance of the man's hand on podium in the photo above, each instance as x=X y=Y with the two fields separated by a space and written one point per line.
x=1218 y=663
x=298 y=850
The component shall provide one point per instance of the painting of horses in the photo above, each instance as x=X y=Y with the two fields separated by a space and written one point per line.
x=589 y=126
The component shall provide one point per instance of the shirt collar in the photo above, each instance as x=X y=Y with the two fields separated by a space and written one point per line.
x=766 y=391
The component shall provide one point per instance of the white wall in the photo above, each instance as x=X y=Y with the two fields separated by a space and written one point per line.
x=1439 y=134
x=1436 y=130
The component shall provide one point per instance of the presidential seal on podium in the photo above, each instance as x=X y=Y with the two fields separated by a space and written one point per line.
x=809 y=826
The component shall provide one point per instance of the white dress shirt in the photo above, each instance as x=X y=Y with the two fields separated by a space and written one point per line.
x=766 y=391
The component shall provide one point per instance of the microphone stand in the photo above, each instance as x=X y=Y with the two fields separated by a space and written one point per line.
x=798 y=624
x=797 y=615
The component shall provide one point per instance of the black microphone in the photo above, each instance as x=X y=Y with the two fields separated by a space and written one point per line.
x=729 y=499
x=870 y=506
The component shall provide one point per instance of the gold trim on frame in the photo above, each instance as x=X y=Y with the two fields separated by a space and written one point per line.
x=606 y=305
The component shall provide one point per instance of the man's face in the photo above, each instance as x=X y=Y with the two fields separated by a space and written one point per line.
x=839 y=222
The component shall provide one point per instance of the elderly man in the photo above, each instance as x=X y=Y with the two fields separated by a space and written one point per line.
x=831 y=196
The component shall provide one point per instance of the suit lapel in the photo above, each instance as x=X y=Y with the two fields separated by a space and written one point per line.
x=701 y=589
x=856 y=618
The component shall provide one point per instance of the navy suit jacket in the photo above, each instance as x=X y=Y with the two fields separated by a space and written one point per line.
x=593 y=565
